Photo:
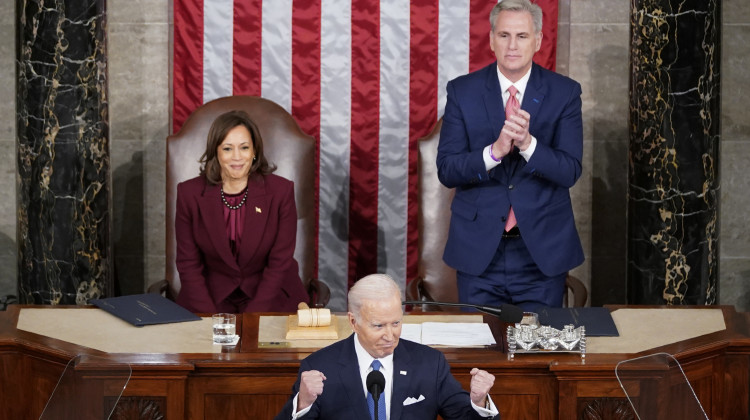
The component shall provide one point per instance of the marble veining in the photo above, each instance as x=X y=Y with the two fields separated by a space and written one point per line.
x=63 y=181
x=673 y=193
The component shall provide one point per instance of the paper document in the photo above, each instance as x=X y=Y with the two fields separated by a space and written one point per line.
x=454 y=334
x=412 y=332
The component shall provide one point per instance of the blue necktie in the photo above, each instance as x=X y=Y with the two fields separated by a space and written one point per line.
x=381 y=401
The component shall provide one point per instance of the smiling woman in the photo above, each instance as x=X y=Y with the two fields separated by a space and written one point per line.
x=236 y=227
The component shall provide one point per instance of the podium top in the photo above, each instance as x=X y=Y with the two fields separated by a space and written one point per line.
x=640 y=329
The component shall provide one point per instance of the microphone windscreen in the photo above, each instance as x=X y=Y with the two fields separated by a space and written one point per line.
x=510 y=313
x=375 y=382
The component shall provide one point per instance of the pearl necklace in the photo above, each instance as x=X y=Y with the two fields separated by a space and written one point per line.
x=231 y=207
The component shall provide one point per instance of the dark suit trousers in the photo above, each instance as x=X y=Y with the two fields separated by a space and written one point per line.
x=512 y=277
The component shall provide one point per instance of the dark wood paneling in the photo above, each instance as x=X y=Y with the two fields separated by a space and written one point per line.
x=252 y=382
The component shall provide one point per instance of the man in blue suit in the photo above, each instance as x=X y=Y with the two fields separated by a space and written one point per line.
x=418 y=384
x=512 y=159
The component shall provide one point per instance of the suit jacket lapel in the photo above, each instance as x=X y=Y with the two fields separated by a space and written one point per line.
x=493 y=102
x=534 y=96
x=532 y=101
x=256 y=217
x=352 y=381
x=212 y=215
x=402 y=374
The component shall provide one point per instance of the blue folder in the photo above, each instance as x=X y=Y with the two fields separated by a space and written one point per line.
x=145 y=309
x=597 y=321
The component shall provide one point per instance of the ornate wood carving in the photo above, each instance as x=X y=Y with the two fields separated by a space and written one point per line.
x=607 y=409
x=137 y=408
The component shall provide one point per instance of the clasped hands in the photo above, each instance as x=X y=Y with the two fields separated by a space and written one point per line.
x=311 y=386
x=515 y=132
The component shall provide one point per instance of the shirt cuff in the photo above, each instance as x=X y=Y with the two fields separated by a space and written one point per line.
x=489 y=163
x=296 y=415
x=486 y=412
x=530 y=150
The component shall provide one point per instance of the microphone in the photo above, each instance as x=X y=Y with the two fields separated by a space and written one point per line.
x=375 y=384
x=506 y=312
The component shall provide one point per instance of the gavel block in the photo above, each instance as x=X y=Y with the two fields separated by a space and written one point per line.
x=311 y=324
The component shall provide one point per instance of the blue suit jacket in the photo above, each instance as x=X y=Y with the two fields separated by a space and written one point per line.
x=419 y=370
x=538 y=189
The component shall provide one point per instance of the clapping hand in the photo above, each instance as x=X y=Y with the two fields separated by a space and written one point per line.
x=517 y=129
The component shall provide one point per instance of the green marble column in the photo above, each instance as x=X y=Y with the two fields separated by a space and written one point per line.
x=63 y=179
x=673 y=191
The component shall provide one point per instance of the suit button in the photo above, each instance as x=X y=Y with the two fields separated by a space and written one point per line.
x=510 y=187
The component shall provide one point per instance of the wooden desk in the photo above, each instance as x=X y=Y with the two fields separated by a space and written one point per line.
x=253 y=382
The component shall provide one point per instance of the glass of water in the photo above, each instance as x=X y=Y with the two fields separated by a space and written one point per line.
x=225 y=329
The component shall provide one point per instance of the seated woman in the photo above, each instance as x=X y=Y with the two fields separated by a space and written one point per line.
x=236 y=227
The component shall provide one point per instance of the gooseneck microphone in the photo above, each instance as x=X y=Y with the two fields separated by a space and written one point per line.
x=506 y=312
x=375 y=385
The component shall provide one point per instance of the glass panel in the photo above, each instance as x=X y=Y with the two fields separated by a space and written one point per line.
x=657 y=388
x=89 y=388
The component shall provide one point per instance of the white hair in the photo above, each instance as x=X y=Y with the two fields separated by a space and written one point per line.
x=372 y=287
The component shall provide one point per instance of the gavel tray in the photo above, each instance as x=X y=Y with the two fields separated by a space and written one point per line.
x=295 y=332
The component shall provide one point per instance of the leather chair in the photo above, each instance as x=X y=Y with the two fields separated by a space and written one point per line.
x=285 y=145
x=436 y=281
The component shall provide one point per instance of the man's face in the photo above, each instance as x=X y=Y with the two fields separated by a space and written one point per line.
x=514 y=43
x=379 y=326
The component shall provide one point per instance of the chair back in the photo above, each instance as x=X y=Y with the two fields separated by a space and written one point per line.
x=284 y=144
x=437 y=280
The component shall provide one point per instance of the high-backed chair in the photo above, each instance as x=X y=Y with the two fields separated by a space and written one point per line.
x=436 y=281
x=285 y=145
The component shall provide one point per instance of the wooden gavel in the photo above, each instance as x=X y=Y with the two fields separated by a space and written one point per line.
x=312 y=317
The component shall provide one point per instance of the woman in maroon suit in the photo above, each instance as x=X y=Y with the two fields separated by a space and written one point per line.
x=236 y=226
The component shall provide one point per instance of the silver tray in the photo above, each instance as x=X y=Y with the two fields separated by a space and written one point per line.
x=525 y=338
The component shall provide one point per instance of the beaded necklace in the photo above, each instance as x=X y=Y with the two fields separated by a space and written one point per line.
x=229 y=206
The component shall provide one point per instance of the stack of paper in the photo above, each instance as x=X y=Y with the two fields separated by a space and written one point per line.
x=455 y=334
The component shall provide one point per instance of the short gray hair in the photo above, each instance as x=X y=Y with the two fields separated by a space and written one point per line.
x=372 y=287
x=518 y=6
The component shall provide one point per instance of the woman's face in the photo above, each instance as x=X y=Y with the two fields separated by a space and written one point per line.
x=235 y=154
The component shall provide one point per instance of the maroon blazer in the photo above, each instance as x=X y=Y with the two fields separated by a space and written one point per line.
x=265 y=268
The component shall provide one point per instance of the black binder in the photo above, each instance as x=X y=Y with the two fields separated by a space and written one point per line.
x=598 y=321
x=145 y=309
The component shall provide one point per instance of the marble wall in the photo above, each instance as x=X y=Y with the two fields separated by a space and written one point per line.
x=595 y=54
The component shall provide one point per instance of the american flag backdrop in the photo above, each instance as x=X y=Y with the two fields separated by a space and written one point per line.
x=367 y=79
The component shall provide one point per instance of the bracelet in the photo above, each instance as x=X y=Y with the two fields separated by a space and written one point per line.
x=493 y=156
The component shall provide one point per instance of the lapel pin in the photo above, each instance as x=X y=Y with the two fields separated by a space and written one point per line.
x=258 y=210
x=403 y=372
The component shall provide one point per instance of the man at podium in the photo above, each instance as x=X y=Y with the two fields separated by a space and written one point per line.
x=373 y=371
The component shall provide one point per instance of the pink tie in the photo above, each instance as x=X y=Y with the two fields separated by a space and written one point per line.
x=510 y=109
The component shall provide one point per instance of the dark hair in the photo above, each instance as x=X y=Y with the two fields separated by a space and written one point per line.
x=221 y=126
